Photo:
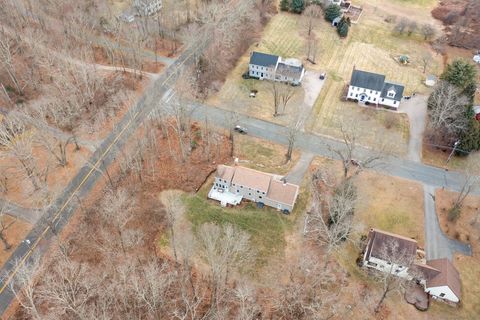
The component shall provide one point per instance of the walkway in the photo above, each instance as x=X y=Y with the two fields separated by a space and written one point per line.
x=437 y=244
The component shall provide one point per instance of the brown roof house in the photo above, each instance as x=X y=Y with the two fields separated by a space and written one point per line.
x=389 y=252
x=232 y=184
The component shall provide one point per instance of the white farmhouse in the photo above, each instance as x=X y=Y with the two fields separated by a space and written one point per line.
x=369 y=88
x=271 y=67
x=232 y=184
x=388 y=252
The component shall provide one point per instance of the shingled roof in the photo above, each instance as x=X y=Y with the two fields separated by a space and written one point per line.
x=378 y=245
x=448 y=276
x=367 y=80
x=263 y=59
x=398 y=88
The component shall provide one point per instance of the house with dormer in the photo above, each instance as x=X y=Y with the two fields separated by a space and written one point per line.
x=275 y=68
x=368 y=88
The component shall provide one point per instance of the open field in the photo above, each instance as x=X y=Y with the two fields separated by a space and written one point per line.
x=466 y=228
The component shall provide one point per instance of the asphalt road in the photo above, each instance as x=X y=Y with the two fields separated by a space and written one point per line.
x=319 y=145
x=59 y=214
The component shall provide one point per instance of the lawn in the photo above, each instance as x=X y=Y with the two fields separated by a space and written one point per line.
x=263 y=155
x=266 y=226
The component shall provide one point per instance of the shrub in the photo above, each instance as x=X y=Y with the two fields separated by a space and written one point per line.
x=332 y=12
x=343 y=27
x=297 y=6
x=454 y=212
x=284 y=5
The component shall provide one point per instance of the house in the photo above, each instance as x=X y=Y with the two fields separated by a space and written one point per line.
x=371 y=88
x=232 y=184
x=446 y=283
x=389 y=252
x=271 y=67
x=147 y=7
x=476 y=58
x=431 y=80
x=476 y=111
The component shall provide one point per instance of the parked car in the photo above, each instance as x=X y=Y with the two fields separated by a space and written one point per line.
x=240 y=129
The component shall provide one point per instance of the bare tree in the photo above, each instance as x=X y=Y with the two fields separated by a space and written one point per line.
x=286 y=94
x=428 y=31
x=275 y=89
x=412 y=27
x=18 y=142
x=426 y=59
x=294 y=129
x=401 y=26
x=8 y=48
x=348 y=155
x=334 y=227
x=4 y=227
x=174 y=209
x=222 y=248
x=469 y=185
x=397 y=259
x=446 y=108
x=312 y=49
x=310 y=16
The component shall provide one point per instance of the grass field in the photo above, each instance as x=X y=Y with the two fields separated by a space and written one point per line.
x=263 y=155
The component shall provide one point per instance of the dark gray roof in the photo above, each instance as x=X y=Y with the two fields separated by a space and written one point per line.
x=263 y=59
x=398 y=88
x=290 y=71
x=367 y=80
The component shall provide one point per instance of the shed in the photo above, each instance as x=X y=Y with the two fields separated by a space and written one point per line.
x=431 y=80
x=336 y=21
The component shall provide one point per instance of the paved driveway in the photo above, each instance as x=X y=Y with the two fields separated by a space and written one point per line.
x=298 y=171
x=437 y=244
x=416 y=109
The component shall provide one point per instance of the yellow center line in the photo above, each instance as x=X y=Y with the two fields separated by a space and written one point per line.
x=57 y=214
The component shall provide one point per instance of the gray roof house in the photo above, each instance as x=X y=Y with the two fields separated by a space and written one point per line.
x=272 y=67
x=371 y=88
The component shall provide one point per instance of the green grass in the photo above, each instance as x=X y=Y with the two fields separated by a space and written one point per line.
x=266 y=226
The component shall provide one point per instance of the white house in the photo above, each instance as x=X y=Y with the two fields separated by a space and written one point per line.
x=272 y=67
x=446 y=284
x=369 y=88
x=147 y=7
x=232 y=184
x=388 y=252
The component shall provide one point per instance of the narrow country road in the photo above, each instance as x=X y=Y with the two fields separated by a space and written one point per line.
x=437 y=244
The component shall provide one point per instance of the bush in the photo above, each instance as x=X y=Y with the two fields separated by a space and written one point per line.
x=343 y=27
x=284 y=5
x=332 y=12
x=297 y=6
x=454 y=212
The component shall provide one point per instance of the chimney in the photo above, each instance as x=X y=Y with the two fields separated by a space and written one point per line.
x=284 y=180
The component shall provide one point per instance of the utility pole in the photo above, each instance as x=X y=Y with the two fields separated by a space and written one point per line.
x=455 y=145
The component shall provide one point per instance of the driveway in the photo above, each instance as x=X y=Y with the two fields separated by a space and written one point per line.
x=437 y=244
x=312 y=86
x=416 y=109
x=298 y=171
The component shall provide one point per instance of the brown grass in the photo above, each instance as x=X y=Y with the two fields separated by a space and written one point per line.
x=14 y=235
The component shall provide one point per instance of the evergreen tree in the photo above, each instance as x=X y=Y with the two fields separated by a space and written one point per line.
x=297 y=6
x=284 y=5
x=343 y=27
x=332 y=12
x=461 y=74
